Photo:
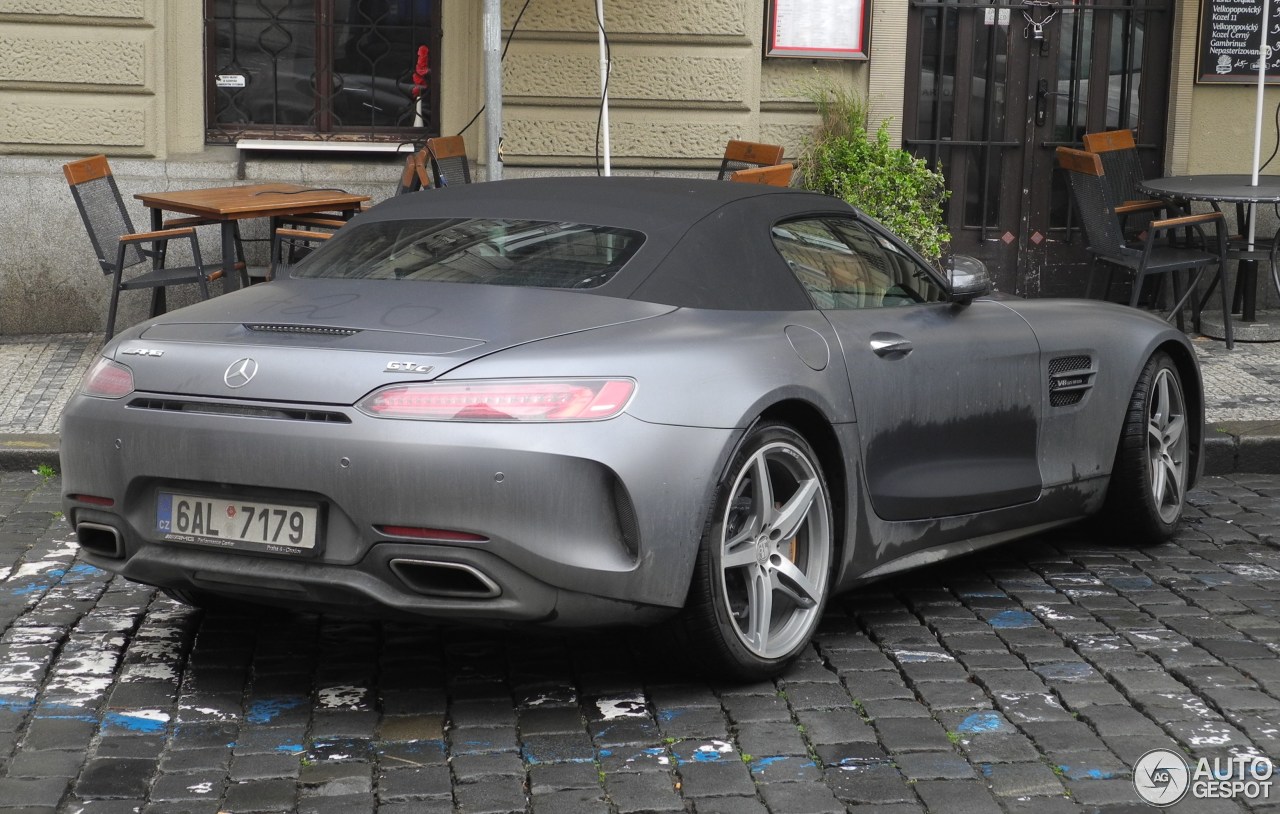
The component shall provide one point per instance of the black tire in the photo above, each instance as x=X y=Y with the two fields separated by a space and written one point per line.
x=1149 y=477
x=734 y=628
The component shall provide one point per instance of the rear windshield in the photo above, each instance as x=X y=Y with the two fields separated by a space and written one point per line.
x=475 y=250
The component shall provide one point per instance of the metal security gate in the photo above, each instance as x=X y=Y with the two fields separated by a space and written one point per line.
x=998 y=87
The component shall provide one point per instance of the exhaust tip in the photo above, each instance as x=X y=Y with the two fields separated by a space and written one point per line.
x=455 y=580
x=100 y=539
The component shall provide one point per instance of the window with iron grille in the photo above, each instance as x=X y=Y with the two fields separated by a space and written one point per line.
x=322 y=69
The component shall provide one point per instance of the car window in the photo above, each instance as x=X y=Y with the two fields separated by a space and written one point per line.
x=835 y=275
x=910 y=282
x=487 y=251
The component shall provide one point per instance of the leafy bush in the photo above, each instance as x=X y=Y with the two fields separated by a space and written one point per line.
x=884 y=181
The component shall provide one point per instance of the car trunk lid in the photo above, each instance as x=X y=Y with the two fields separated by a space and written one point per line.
x=331 y=342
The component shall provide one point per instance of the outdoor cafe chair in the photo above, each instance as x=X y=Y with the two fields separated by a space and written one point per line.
x=1119 y=154
x=778 y=175
x=289 y=245
x=449 y=161
x=118 y=247
x=743 y=155
x=415 y=175
x=1100 y=212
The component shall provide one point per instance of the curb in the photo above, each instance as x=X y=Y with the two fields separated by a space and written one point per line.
x=1232 y=446
x=1242 y=446
x=26 y=452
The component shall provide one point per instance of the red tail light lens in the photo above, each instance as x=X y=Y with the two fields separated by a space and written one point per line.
x=107 y=380
x=513 y=400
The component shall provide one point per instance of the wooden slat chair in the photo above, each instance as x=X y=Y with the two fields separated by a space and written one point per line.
x=415 y=175
x=118 y=246
x=742 y=155
x=1119 y=154
x=778 y=175
x=449 y=161
x=1100 y=213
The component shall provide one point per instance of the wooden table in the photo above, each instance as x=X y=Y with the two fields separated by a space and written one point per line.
x=228 y=205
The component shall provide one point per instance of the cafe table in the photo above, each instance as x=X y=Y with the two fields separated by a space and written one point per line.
x=1239 y=190
x=227 y=205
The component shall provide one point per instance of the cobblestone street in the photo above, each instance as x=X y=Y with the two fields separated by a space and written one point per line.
x=1029 y=678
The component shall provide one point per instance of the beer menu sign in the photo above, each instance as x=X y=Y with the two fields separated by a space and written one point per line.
x=1230 y=31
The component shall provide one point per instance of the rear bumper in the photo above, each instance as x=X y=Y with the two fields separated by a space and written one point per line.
x=584 y=523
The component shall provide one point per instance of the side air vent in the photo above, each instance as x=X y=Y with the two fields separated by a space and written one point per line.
x=247 y=411
x=1070 y=377
x=309 y=330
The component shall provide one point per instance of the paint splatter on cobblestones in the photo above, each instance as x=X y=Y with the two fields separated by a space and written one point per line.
x=1031 y=676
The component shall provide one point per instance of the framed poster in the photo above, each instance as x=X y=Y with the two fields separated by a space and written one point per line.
x=819 y=29
x=1229 y=34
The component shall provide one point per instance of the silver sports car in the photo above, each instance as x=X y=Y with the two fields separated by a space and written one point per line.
x=593 y=401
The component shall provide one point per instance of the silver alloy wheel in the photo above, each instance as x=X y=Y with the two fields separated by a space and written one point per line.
x=1167 y=444
x=775 y=550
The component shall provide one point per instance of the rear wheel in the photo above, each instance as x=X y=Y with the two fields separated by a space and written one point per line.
x=763 y=569
x=1152 y=466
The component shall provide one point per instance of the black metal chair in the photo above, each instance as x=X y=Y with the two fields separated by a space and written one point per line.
x=1100 y=212
x=744 y=155
x=119 y=247
x=289 y=245
x=449 y=161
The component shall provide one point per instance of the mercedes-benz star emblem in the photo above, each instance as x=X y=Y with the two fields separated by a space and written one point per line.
x=240 y=372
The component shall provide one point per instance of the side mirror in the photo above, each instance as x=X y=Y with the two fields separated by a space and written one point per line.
x=968 y=278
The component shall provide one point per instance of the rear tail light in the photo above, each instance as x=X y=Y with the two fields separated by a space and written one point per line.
x=107 y=380
x=511 y=400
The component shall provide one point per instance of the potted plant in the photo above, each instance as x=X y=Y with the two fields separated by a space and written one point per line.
x=887 y=183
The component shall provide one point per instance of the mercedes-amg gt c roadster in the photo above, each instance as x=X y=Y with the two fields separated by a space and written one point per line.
x=592 y=401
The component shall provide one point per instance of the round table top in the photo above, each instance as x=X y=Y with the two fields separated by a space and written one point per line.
x=1229 y=188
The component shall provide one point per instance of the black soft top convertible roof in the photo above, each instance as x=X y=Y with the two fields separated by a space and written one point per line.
x=707 y=243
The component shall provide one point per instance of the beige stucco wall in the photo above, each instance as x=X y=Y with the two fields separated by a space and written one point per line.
x=125 y=78
x=1211 y=127
x=686 y=77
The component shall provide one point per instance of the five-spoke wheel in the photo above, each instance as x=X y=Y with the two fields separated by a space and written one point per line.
x=1167 y=444
x=765 y=565
x=1153 y=464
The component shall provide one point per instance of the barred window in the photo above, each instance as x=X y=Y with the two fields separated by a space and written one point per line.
x=328 y=69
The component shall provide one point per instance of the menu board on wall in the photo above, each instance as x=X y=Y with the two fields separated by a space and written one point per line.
x=820 y=29
x=1229 y=36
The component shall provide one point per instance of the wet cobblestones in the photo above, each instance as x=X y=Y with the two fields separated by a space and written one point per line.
x=1029 y=678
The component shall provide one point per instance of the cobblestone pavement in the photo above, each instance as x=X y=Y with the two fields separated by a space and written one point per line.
x=1029 y=678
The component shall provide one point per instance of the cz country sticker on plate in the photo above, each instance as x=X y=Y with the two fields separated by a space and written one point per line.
x=275 y=527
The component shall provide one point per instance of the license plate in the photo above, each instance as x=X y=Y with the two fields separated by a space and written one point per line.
x=276 y=527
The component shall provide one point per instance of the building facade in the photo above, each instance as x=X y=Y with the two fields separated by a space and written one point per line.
x=154 y=85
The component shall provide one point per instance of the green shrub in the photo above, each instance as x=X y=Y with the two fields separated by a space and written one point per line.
x=884 y=181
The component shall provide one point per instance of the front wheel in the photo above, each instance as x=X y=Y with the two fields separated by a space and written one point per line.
x=1152 y=466
x=764 y=565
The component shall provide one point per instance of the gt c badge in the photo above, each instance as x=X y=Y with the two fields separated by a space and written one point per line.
x=240 y=372
x=406 y=367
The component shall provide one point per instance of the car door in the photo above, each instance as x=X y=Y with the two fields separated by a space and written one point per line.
x=945 y=394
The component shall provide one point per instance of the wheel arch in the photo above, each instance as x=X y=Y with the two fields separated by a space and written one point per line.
x=1193 y=394
x=814 y=426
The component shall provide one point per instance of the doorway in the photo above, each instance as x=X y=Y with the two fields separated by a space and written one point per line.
x=994 y=88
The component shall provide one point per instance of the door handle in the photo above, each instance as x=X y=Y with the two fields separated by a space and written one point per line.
x=890 y=346
x=1042 y=102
